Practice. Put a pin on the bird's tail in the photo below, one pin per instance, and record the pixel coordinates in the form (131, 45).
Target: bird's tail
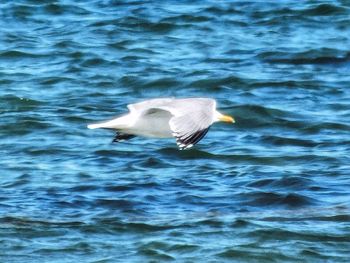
(104, 125)
(117, 123)
(95, 126)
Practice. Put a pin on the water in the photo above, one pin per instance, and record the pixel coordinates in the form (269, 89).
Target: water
(274, 187)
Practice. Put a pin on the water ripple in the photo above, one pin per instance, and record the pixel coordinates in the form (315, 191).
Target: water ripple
(272, 187)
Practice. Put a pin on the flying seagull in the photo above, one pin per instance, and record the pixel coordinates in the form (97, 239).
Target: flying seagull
(187, 119)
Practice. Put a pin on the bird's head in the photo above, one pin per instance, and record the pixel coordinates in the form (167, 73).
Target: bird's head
(225, 118)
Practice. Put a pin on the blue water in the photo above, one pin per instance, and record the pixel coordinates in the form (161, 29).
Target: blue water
(273, 187)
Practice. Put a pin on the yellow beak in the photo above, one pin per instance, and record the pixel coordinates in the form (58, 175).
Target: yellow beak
(227, 118)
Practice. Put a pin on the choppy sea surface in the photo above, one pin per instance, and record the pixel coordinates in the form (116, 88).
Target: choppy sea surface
(274, 187)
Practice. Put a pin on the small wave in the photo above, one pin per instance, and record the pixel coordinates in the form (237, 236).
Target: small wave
(17, 54)
(322, 56)
(209, 83)
(253, 116)
(155, 254)
(288, 182)
(277, 199)
(115, 203)
(26, 126)
(318, 127)
(221, 10)
(281, 14)
(250, 255)
(184, 18)
(281, 141)
(135, 23)
(19, 221)
(12, 103)
(326, 9)
(161, 83)
(83, 188)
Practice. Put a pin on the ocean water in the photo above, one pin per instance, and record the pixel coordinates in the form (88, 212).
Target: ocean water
(273, 187)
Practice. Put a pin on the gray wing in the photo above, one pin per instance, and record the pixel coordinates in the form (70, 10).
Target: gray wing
(189, 129)
(191, 120)
(146, 105)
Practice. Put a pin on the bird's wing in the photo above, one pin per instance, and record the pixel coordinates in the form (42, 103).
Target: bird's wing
(143, 106)
(191, 119)
(189, 129)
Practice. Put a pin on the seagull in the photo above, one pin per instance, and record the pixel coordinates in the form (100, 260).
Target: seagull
(186, 119)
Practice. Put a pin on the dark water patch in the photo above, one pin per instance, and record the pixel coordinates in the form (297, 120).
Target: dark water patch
(240, 223)
(322, 56)
(280, 15)
(117, 225)
(123, 44)
(161, 83)
(30, 11)
(187, 19)
(133, 186)
(25, 126)
(112, 152)
(115, 203)
(46, 151)
(221, 10)
(84, 188)
(81, 247)
(296, 216)
(309, 236)
(135, 23)
(36, 223)
(170, 248)
(53, 80)
(94, 62)
(277, 199)
(216, 82)
(245, 254)
(152, 162)
(326, 9)
(66, 45)
(254, 116)
(190, 199)
(335, 218)
(17, 184)
(131, 81)
(143, 51)
(283, 141)
(16, 54)
(261, 183)
(75, 119)
(133, 58)
(183, 248)
(292, 84)
(59, 9)
(76, 55)
(313, 253)
(211, 222)
(291, 182)
(326, 126)
(12, 103)
(155, 254)
(76, 202)
(120, 188)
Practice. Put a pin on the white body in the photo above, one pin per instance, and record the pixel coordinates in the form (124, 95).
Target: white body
(187, 120)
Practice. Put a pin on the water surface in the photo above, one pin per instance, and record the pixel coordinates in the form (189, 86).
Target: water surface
(274, 187)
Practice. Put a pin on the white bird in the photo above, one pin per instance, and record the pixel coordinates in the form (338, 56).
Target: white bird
(188, 120)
